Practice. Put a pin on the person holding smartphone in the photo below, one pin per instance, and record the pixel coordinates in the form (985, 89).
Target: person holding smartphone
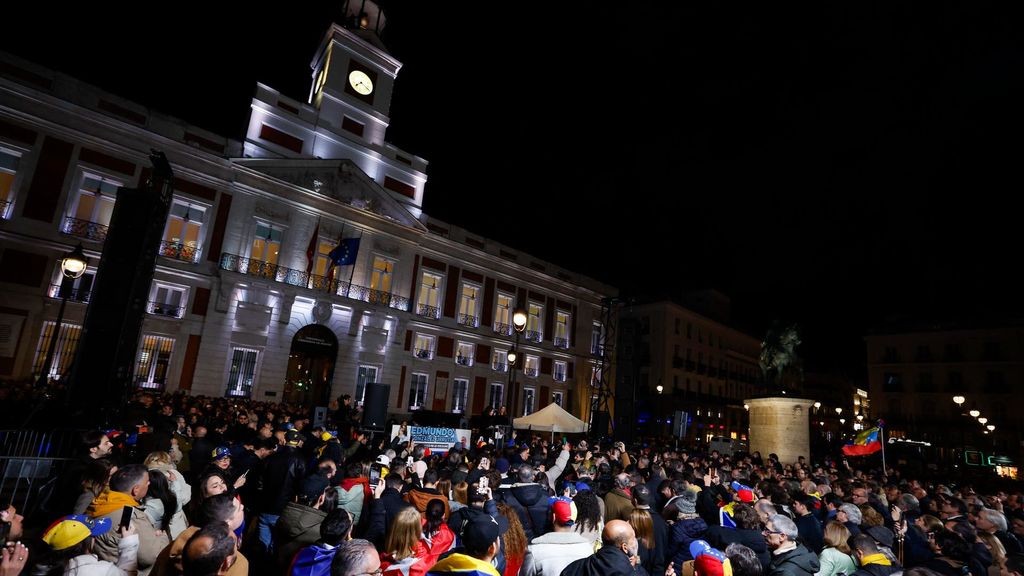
(71, 541)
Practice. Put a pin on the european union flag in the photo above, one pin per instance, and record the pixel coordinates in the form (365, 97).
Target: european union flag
(345, 252)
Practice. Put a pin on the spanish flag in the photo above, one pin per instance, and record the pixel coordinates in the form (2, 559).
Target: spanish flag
(865, 443)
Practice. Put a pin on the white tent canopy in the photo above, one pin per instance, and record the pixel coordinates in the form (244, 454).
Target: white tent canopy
(551, 419)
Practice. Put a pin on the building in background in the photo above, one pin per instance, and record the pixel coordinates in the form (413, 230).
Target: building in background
(705, 368)
(915, 373)
(296, 265)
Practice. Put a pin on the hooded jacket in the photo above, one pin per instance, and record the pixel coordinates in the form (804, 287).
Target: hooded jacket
(605, 562)
(420, 497)
(684, 532)
(298, 527)
(90, 565)
(353, 495)
(796, 562)
(530, 501)
(876, 565)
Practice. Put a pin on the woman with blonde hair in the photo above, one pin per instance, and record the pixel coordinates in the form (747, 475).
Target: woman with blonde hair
(414, 542)
(998, 552)
(161, 462)
(651, 558)
(835, 557)
(94, 481)
(460, 496)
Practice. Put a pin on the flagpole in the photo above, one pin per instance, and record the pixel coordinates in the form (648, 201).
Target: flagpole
(352, 272)
(881, 436)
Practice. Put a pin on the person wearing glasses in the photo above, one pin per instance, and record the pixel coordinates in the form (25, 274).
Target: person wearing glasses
(789, 557)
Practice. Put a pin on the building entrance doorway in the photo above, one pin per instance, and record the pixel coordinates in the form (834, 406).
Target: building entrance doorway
(311, 366)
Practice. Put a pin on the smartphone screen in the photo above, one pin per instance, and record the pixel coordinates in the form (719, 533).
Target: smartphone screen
(126, 516)
(483, 481)
(374, 474)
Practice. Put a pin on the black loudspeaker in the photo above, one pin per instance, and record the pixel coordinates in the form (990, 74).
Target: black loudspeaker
(375, 405)
(599, 426)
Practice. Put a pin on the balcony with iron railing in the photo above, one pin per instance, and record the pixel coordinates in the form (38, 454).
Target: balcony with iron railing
(561, 342)
(463, 360)
(467, 320)
(428, 311)
(559, 376)
(505, 329)
(73, 294)
(499, 367)
(303, 279)
(84, 229)
(531, 372)
(533, 335)
(596, 350)
(179, 251)
(423, 353)
(164, 309)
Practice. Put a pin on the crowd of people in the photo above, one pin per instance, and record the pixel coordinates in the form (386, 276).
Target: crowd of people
(210, 486)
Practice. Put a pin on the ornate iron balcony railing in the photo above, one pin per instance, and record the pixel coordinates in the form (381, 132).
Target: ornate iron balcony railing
(179, 251)
(533, 335)
(294, 277)
(463, 361)
(428, 311)
(505, 329)
(561, 342)
(499, 367)
(83, 229)
(531, 372)
(559, 376)
(467, 320)
(163, 309)
(422, 353)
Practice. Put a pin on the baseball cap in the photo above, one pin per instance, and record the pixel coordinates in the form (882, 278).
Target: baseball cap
(745, 493)
(501, 465)
(220, 452)
(708, 561)
(480, 532)
(383, 460)
(71, 530)
(326, 436)
(292, 437)
(564, 510)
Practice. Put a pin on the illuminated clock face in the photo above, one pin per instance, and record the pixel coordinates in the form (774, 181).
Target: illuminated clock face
(360, 82)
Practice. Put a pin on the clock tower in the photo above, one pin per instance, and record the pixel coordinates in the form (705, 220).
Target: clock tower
(345, 116)
(353, 75)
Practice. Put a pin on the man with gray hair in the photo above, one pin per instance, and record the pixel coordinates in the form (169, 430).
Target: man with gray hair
(850, 516)
(993, 522)
(617, 503)
(354, 558)
(789, 557)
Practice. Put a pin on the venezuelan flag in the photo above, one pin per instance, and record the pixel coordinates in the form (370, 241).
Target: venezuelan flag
(865, 443)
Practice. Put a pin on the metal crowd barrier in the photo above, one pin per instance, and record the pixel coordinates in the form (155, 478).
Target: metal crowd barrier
(30, 462)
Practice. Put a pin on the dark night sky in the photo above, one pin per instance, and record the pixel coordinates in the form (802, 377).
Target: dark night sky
(835, 166)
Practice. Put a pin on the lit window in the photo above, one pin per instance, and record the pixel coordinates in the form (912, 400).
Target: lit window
(503, 315)
(533, 322)
(532, 366)
(167, 300)
(153, 362)
(417, 391)
(63, 354)
(365, 375)
(424, 347)
(460, 391)
(9, 161)
(496, 397)
(499, 360)
(529, 400)
(242, 372)
(561, 371)
(429, 303)
(561, 330)
(91, 207)
(183, 236)
(468, 307)
(464, 354)
(557, 398)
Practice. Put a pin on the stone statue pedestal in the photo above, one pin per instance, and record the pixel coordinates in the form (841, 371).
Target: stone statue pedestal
(780, 425)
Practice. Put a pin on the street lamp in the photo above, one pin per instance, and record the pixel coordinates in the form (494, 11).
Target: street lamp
(842, 421)
(660, 388)
(959, 401)
(991, 427)
(975, 413)
(817, 405)
(72, 266)
(982, 420)
(519, 319)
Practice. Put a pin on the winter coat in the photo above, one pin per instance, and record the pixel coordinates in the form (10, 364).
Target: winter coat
(285, 470)
(605, 562)
(796, 562)
(182, 492)
(298, 527)
(420, 497)
(106, 545)
(720, 537)
(530, 501)
(382, 513)
(552, 552)
(876, 565)
(833, 562)
(618, 506)
(90, 565)
(810, 532)
(683, 533)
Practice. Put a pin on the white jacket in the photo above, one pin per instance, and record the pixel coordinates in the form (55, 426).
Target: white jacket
(90, 565)
(553, 551)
